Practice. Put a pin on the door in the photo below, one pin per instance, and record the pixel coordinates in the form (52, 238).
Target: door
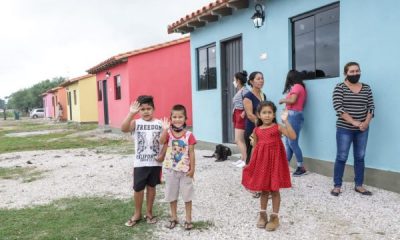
(231, 62)
(70, 105)
(105, 102)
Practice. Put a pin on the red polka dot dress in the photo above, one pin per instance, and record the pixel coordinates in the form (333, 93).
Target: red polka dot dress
(268, 169)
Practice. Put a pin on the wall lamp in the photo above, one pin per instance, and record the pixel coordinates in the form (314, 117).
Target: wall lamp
(259, 16)
(108, 74)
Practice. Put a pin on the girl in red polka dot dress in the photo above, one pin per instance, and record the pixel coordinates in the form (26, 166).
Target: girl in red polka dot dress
(268, 169)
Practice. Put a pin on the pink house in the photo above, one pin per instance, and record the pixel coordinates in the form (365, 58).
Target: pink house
(162, 70)
(48, 104)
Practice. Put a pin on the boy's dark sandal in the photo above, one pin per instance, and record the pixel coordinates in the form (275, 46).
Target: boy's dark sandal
(335, 193)
(150, 220)
(188, 225)
(300, 171)
(132, 222)
(171, 224)
(365, 192)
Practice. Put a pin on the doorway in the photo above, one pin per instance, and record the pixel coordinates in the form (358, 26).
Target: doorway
(231, 63)
(105, 102)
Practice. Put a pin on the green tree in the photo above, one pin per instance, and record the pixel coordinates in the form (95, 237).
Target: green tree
(2, 103)
(29, 98)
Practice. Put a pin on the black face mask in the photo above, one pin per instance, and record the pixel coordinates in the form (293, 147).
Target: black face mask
(353, 78)
(178, 129)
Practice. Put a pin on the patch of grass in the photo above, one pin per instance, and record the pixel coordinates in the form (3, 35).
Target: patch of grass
(27, 174)
(76, 218)
(51, 141)
(55, 140)
(203, 225)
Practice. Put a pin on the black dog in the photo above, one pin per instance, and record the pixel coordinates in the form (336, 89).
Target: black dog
(221, 153)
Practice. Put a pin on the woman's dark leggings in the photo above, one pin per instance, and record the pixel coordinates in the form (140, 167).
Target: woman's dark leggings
(248, 146)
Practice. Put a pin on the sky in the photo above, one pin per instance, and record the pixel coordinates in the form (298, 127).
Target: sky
(42, 39)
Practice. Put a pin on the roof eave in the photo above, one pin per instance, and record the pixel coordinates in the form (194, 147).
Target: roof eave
(211, 13)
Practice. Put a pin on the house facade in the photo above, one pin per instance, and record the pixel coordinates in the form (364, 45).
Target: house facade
(316, 37)
(81, 97)
(162, 70)
(48, 104)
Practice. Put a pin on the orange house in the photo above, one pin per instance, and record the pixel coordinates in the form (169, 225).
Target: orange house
(59, 96)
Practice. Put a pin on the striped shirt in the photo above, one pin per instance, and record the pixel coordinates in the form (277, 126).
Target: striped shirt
(237, 100)
(357, 105)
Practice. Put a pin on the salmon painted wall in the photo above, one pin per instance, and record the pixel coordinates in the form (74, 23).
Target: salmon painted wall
(61, 96)
(48, 105)
(117, 109)
(165, 74)
(88, 100)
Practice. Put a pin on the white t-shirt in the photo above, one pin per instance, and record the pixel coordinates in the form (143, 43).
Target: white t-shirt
(147, 142)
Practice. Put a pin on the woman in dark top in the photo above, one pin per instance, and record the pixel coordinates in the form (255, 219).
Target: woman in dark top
(251, 101)
(354, 105)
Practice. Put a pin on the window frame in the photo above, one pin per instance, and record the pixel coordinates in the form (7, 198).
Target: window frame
(75, 100)
(117, 90)
(206, 47)
(305, 15)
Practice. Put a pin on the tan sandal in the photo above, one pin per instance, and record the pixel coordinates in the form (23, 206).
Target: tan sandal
(132, 222)
(188, 226)
(171, 224)
(150, 220)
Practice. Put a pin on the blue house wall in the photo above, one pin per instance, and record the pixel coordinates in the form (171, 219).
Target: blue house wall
(369, 34)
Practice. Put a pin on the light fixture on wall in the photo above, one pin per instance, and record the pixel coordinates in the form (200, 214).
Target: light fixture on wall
(108, 74)
(259, 16)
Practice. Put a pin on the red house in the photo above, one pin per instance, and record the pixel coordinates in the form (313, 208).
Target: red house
(162, 70)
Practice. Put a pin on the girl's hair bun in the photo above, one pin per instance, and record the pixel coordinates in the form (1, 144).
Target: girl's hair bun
(244, 73)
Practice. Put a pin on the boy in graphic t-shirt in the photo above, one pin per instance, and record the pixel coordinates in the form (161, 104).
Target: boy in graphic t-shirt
(147, 168)
(179, 164)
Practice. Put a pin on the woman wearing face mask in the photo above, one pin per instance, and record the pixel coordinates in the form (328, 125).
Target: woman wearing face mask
(354, 105)
(239, 82)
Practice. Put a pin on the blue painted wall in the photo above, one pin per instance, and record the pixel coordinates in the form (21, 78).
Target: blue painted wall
(369, 34)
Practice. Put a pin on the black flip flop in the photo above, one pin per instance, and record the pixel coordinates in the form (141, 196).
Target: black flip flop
(171, 224)
(188, 226)
(334, 193)
(132, 222)
(365, 193)
(151, 220)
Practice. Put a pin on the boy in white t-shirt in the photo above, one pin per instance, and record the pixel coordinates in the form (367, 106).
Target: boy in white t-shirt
(147, 168)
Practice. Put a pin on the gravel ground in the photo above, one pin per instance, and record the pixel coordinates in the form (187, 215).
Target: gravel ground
(75, 172)
(308, 211)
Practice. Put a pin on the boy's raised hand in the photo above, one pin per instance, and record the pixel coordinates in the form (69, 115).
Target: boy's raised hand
(284, 115)
(135, 107)
(165, 123)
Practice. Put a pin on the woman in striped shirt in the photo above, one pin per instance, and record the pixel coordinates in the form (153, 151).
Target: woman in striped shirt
(239, 115)
(354, 105)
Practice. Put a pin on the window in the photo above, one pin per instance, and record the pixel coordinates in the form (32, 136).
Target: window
(99, 91)
(74, 97)
(206, 67)
(117, 87)
(315, 42)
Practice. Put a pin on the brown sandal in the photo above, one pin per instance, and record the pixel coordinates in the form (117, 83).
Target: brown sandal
(150, 220)
(132, 222)
(171, 224)
(188, 225)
